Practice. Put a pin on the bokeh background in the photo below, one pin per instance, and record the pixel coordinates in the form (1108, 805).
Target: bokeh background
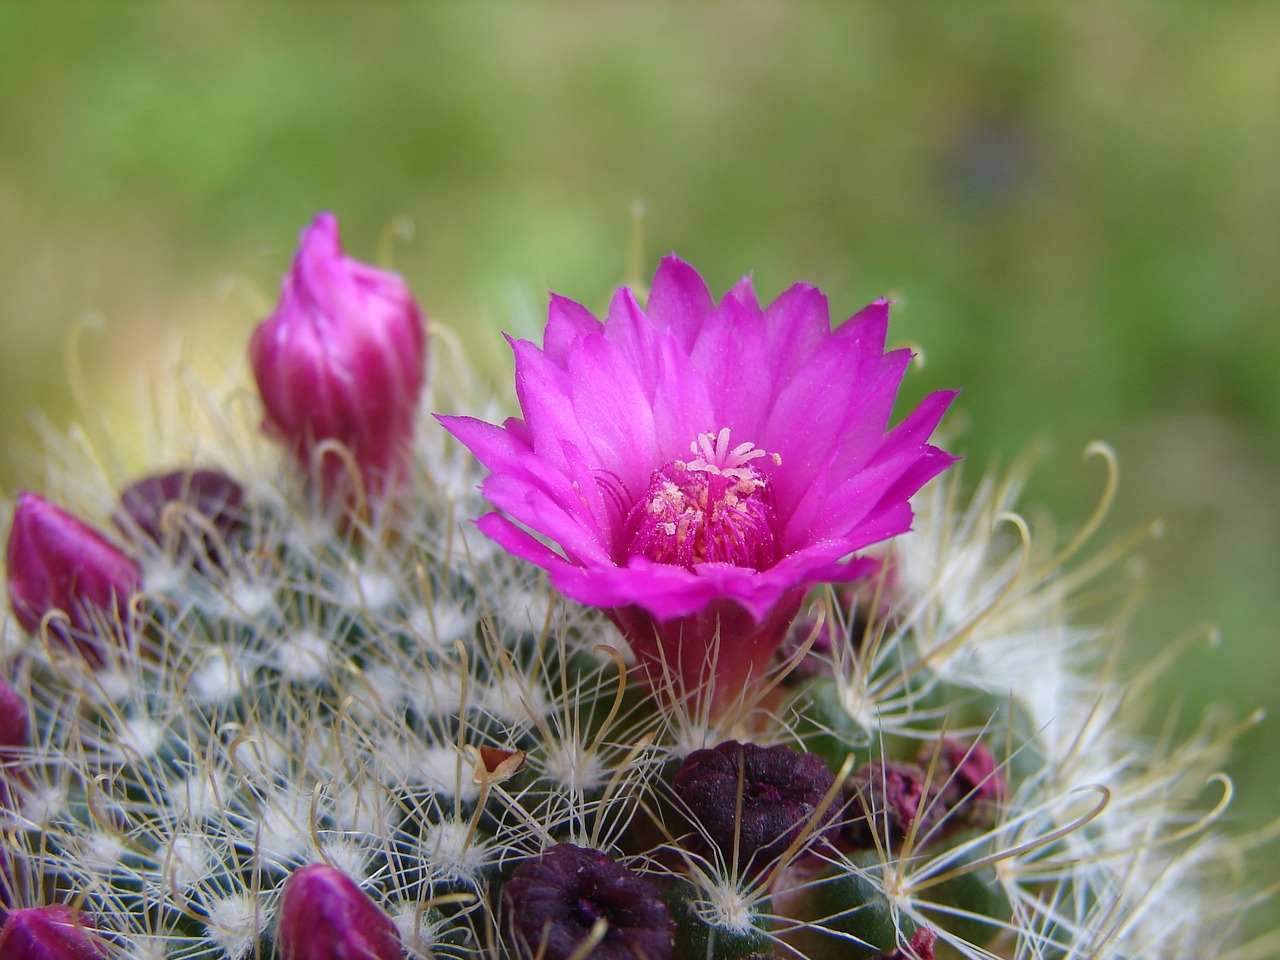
(1076, 204)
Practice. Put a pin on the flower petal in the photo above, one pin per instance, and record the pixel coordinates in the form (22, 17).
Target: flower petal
(679, 301)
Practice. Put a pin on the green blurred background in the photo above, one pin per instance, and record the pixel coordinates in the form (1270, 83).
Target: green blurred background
(1077, 205)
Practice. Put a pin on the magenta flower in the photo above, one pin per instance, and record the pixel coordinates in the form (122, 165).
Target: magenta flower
(342, 360)
(58, 562)
(325, 916)
(700, 466)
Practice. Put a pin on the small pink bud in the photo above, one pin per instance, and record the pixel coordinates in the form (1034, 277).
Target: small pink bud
(55, 932)
(342, 359)
(973, 785)
(13, 722)
(325, 916)
(919, 948)
(890, 799)
(58, 562)
(14, 737)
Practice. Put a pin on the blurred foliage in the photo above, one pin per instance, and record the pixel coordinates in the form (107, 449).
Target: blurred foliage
(1076, 204)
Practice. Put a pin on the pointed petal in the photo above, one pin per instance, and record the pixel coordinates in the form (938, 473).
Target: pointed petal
(567, 322)
(798, 322)
(679, 300)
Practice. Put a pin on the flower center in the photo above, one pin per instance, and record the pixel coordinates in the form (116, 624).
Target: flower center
(714, 508)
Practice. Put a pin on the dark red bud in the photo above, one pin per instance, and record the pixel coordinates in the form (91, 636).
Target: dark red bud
(920, 947)
(14, 738)
(973, 785)
(154, 507)
(553, 902)
(781, 789)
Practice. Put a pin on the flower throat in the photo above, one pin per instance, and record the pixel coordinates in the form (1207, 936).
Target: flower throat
(714, 508)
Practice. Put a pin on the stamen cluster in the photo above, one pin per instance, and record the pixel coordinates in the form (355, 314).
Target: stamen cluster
(713, 510)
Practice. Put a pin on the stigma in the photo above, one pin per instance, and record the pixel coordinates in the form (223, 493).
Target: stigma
(716, 507)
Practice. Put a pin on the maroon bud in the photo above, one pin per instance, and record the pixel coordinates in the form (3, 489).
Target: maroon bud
(818, 641)
(325, 916)
(887, 799)
(780, 789)
(342, 359)
(55, 932)
(148, 508)
(919, 948)
(973, 786)
(553, 902)
(58, 562)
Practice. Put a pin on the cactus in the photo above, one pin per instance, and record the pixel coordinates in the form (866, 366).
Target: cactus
(330, 718)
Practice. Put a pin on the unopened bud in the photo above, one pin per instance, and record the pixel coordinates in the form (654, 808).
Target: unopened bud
(341, 360)
(919, 948)
(888, 801)
(56, 562)
(55, 932)
(14, 738)
(13, 722)
(972, 784)
(776, 790)
(558, 901)
(325, 916)
(182, 510)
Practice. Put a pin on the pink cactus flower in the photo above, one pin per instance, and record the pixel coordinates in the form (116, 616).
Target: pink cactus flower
(700, 466)
(58, 562)
(325, 916)
(342, 360)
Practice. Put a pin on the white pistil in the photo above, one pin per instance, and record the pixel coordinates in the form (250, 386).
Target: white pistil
(716, 457)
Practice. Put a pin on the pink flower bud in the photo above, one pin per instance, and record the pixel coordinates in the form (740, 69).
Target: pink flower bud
(14, 737)
(341, 359)
(13, 721)
(58, 562)
(55, 932)
(325, 916)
